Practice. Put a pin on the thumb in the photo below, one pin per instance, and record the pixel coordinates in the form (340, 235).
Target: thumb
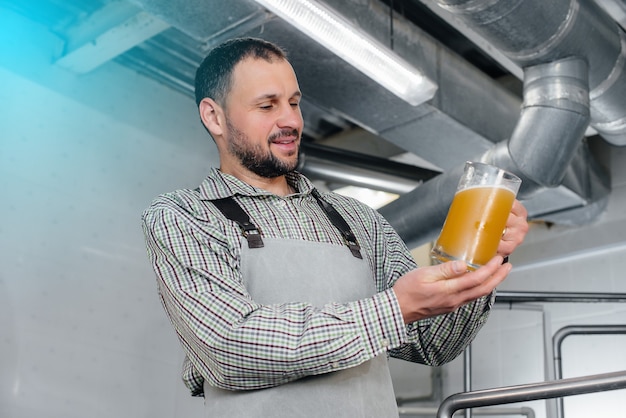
(450, 269)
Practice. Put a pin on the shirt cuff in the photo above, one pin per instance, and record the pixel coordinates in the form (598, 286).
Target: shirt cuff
(415, 328)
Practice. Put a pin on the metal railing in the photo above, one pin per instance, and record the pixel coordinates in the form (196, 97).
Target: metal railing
(533, 391)
(503, 296)
(557, 342)
(432, 411)
(551, 389)
(500, 394)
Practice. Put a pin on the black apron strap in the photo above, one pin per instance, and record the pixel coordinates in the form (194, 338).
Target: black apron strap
(231, 209)
(340, 223)
(234, 212)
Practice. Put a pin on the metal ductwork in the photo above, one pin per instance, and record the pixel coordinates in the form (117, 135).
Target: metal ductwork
(357, 169)
(554, 119)
(543, 146)
(469, 111)
(562, 182)
(550, 40)
(340, 173)
(531, 32)
(472, 116)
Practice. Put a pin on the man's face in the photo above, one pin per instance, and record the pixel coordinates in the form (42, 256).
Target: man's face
(263, 117)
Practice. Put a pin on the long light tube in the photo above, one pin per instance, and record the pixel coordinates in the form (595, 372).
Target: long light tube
(356, 47)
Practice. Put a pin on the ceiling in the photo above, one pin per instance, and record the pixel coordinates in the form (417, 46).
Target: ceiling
(356, 132)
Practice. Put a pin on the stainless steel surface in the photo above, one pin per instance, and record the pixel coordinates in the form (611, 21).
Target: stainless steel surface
(504, 296)
(553, 121)
(340, 173)
(339, 166)
(561, 334)
(430, 412)
(544, 145)
(533, 391)
(535, 31)
(467, 375)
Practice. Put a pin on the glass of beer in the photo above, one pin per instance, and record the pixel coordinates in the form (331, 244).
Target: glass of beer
(477, 216)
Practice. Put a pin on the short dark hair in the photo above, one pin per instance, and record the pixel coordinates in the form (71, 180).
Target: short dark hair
(214, 75)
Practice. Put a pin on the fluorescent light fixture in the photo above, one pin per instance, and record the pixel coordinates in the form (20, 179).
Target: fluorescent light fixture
(375, 199)
(356, 47)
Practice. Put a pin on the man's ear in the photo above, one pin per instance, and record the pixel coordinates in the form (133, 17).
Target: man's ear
(212, 116)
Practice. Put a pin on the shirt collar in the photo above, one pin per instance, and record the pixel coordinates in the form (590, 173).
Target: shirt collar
(218, 185)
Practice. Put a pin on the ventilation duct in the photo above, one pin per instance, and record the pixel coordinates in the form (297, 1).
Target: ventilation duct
(362, 170)
(544, 144)
(553, 121)
(532, 32)
(540, 37)
(470, 111)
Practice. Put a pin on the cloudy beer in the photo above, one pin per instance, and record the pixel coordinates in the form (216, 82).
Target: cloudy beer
(477, 216)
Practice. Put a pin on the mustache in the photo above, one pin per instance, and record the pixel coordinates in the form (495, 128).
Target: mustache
(285, 133)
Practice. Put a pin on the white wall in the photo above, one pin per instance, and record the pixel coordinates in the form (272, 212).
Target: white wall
(83, 334)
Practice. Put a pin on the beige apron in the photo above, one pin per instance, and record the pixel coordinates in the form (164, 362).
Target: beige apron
(302, 271)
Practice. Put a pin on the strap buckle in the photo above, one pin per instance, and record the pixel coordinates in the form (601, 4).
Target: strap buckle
(252, 234)
(234, 212)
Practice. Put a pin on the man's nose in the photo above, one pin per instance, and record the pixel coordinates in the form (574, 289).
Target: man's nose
(291, 117)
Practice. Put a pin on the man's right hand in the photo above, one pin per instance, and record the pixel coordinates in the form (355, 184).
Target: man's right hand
(443, 288)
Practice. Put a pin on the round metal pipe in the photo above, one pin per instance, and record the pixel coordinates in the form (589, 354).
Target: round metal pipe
(561, 334)
(467, 374)
(366, 161)
(503, 296)
(552, 124)
(554, 118)
(545, 140)
(431, 411)
(534, 32)
(533, 391)
(339, 173)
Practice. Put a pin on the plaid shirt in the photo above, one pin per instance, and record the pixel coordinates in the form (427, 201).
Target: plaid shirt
(236, 343)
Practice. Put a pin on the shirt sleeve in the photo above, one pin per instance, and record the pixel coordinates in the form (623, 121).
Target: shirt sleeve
(431, 341)
(439, 340)
(236, 343)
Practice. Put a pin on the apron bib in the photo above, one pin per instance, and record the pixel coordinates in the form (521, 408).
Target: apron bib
(301, 271)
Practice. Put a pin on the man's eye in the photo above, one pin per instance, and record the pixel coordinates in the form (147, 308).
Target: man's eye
(266, 106)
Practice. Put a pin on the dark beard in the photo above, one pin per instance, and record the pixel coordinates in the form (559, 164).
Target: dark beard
(263, 164)
(269, 167)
